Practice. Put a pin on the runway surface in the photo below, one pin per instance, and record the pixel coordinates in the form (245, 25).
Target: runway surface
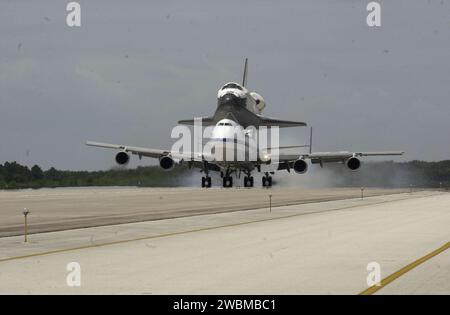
(317, 247)
(68, 208)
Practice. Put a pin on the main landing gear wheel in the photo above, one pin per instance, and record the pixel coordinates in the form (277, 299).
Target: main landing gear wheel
(248, 181)
(227, 181)
(267, 181)
(206, 182)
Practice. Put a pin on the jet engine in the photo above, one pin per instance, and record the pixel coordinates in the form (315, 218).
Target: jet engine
(260, 103)
(166, 163)
(300, 166)
(353, 163)
(122, 158)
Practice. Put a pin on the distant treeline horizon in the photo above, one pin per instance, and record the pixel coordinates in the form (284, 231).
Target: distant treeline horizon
(386, 174)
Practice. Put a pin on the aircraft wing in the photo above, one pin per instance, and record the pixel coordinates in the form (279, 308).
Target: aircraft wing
(148, 152)
(153, 153)
(286, 160)
(343, 155)
(268, 121)
(329, 157)
(335, 156)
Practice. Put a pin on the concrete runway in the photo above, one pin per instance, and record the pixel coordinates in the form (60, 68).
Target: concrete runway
(316, 247)
(69, 208)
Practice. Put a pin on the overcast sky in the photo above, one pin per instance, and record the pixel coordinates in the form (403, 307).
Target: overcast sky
(136, 67)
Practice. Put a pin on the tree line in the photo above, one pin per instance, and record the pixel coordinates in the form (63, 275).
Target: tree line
(372, 174)
(15, 176)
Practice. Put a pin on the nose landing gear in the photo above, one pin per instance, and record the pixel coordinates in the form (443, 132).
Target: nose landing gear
(248, 181)
(267, 180)
(227, 181)
(206, 182)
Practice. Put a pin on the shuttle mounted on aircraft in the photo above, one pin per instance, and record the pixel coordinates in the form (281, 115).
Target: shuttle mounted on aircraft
(236, 122)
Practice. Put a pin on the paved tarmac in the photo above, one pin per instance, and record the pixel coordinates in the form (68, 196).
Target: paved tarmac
(317, 247)
(69, 208)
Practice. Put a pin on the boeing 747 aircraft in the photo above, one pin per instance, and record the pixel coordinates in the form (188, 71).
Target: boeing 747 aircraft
(234, 125)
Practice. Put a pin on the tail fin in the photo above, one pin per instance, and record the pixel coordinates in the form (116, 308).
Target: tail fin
(244, 79)
(310, 141)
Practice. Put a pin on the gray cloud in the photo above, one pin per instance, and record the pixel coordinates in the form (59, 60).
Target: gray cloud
(134, 68)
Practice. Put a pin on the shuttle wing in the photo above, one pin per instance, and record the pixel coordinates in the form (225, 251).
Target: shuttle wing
(206, 121)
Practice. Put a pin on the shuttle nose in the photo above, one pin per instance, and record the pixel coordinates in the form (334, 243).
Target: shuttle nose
(228, 98)
(232, 100)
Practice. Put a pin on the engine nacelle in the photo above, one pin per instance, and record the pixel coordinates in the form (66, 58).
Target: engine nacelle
(122, 158)
(353, 163)
(259, 100)
(166, 163)
(300, 166)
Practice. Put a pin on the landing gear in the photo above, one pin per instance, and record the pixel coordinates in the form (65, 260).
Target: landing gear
(267, 181)
(227, 181)
(206, 182)
(248, 181)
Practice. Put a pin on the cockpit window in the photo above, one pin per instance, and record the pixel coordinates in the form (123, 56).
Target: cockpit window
(232, 86)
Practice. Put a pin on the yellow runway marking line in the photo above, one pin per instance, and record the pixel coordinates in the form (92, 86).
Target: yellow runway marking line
(62, 250)
(404, 270)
